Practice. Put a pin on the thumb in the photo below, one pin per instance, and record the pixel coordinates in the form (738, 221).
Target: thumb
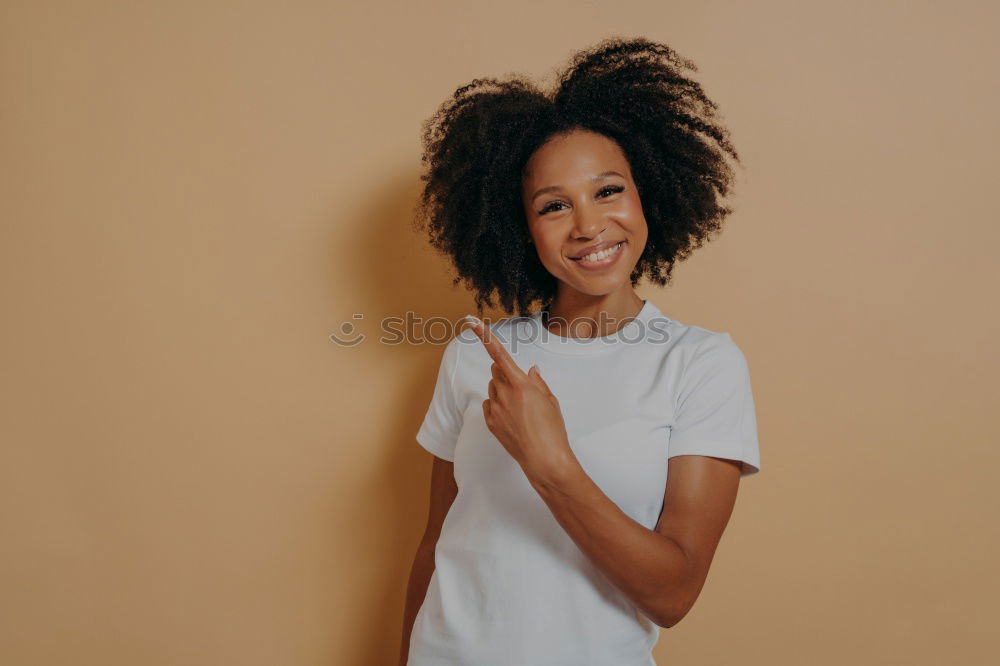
(536, 373)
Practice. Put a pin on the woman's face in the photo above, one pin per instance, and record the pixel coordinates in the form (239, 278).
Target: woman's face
(578, 192)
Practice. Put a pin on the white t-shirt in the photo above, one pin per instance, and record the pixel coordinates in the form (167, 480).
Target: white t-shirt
(510, 587)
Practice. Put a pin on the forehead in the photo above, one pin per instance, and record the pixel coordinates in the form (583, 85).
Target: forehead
(577, 155)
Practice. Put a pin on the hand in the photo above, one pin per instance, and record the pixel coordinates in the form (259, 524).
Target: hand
(522, 412)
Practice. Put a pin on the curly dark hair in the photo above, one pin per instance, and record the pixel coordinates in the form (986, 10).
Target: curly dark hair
(629, 90)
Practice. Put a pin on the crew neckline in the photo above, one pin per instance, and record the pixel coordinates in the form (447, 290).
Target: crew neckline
(630, 334)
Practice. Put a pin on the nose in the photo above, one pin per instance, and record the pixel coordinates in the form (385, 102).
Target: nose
(588, 223)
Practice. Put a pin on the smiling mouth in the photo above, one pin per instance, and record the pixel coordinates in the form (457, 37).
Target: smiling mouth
(599, 256)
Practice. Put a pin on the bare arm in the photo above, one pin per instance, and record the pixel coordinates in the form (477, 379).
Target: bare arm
(662, 570)
(443, 491)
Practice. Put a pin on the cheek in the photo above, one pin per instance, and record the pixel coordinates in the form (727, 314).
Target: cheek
(636, 219)
(550, 255)
(549, 251)
(547, 241)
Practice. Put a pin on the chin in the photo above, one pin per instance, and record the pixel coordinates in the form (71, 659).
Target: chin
(599, 285)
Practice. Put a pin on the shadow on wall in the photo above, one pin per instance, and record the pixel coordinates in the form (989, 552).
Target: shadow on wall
(395, 271)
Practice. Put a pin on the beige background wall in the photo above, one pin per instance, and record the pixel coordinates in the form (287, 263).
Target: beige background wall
(195, 195)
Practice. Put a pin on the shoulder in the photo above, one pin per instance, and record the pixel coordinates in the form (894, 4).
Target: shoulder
(702, 349)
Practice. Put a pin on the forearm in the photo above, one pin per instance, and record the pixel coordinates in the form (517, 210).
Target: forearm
(648, 567)
(416, 590)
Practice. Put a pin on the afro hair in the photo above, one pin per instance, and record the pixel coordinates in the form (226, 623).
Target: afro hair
(632, 91)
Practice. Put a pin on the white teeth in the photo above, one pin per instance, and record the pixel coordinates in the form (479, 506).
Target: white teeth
(603, 254)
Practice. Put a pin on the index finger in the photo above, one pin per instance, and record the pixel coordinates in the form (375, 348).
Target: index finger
(495, 349)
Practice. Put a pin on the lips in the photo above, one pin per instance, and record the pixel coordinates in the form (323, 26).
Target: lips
(590, 249)
(605, 261)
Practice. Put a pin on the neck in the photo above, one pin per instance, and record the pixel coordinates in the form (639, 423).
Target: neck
(577, 315)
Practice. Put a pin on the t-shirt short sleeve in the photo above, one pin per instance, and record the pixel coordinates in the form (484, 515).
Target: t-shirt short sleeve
(439, 431)
(715, 413)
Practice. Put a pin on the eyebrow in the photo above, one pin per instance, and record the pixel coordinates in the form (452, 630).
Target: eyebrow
(553, 188)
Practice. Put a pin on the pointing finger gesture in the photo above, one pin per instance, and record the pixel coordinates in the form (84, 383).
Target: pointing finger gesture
(521, 410)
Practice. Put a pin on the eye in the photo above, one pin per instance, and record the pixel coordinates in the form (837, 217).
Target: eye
(610, 189)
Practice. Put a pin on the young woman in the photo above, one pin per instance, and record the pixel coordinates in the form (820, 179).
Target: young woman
(588, 453)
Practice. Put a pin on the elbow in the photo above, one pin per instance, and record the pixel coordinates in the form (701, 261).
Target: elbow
(678, 600)
(672, 612)
(674, 602)
(667, 621)
(664, 621)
